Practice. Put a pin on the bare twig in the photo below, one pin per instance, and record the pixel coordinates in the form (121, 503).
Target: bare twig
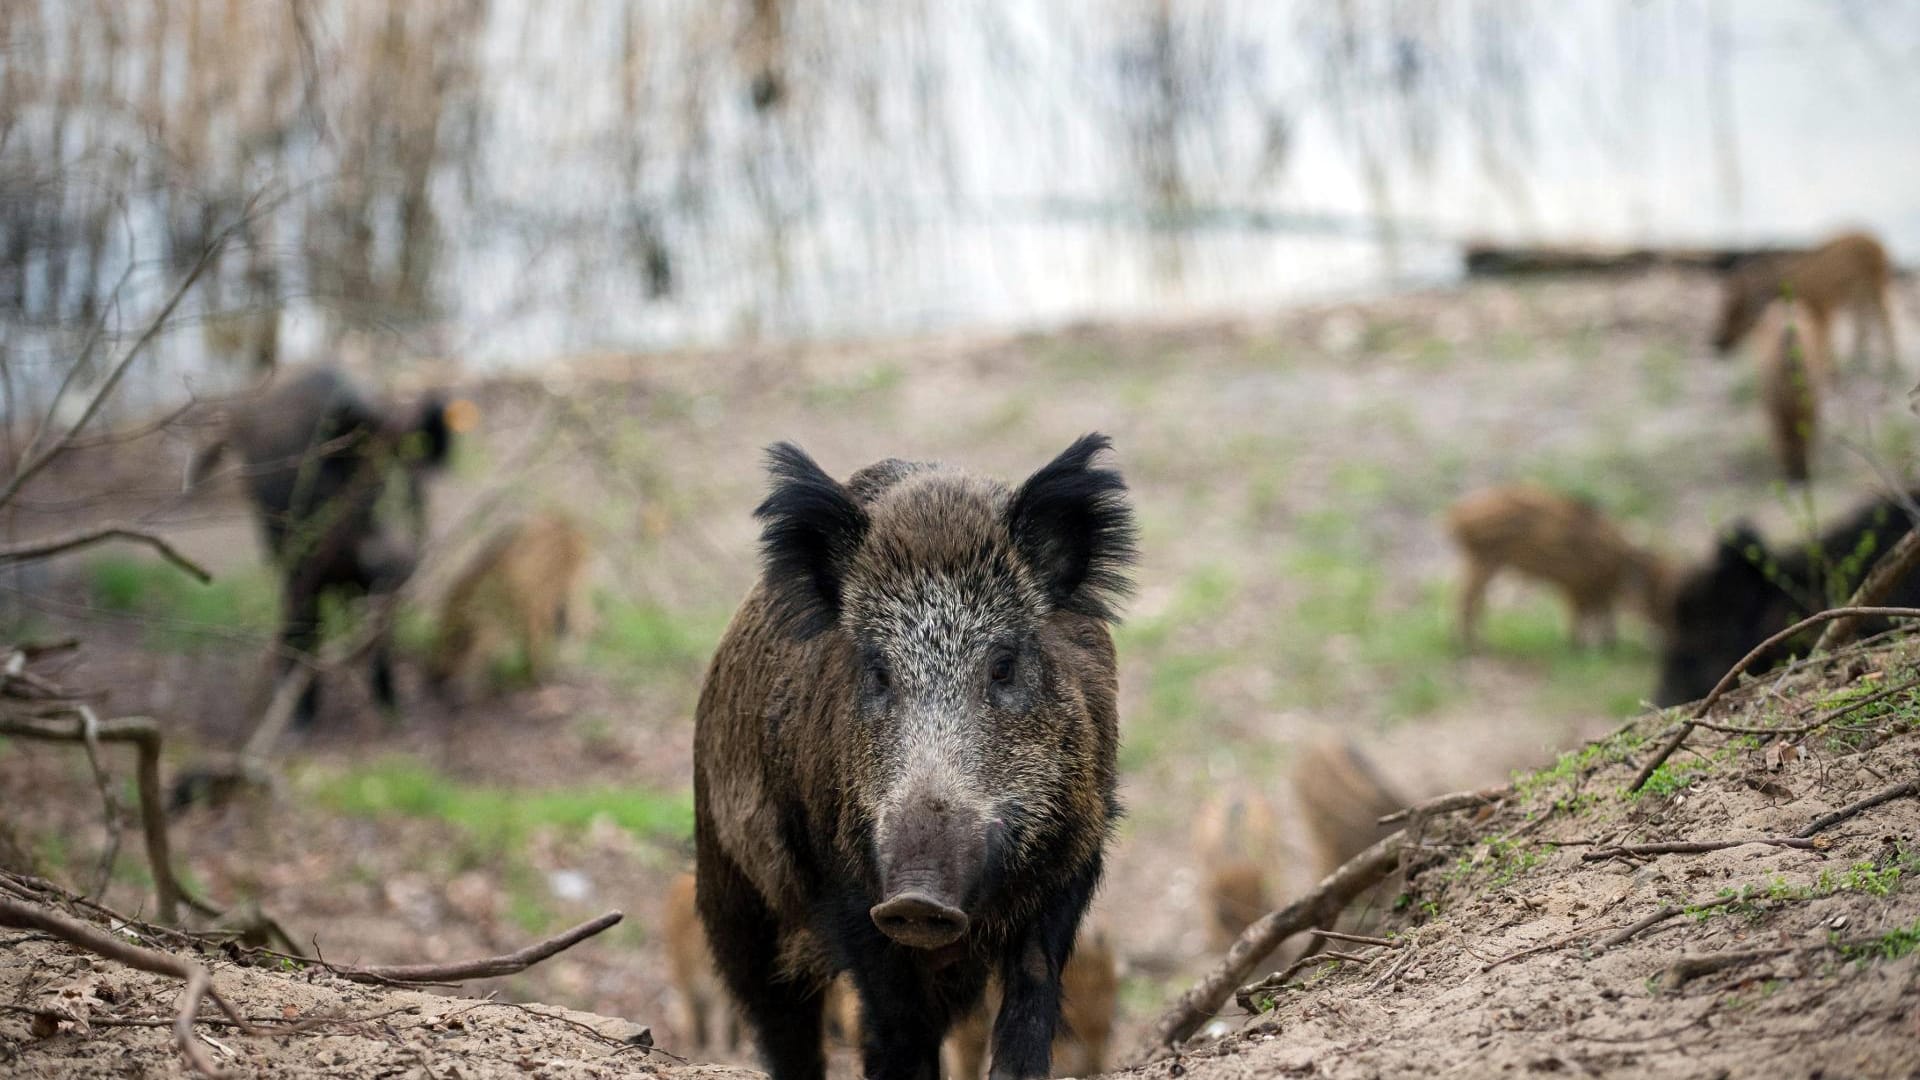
(29, 467)
(1693, 847)
(1359, 939)
(47, 547)
(488, 968)
(145, 737)
(1447, 804)
(1827, 821)
(1805, 729)
(1888, 572)
(199, 983)
(90, 738)
(1317, 908)
(1733, 675)
(1632, 930)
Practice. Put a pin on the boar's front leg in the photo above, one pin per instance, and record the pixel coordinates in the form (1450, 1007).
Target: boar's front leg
(1030, 986)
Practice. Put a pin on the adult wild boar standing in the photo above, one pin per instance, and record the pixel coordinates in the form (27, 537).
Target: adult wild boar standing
(322, 459)
(904, 754)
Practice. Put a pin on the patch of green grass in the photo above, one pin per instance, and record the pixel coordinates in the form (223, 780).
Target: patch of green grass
(1662, 374)
(185, 614)
(1670, 777)
(865, 388)
(1174, 708)
(1891, 945)
(499, 818)
(646, 639)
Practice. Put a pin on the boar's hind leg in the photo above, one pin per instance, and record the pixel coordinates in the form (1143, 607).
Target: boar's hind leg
(299, 639)
(1030, 981)
(784, 1014)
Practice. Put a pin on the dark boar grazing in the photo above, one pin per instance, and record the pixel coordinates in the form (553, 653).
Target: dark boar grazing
(1747, 592)
(319, 456)
(904, 754)
(706, 1016)
(521, 592)
(1850, 272)
(1559, 540)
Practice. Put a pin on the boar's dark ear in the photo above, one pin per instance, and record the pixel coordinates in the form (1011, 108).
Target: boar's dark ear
(811, 529)
(1074, 527)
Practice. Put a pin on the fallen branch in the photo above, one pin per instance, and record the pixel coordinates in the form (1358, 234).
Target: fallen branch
(1806, 729)
(1694, 847)
(1633, 930)
(1447, 804)
(491, 967)
(47, 547)
(1688, 968)
(1359, 939)
(1888, 573)
(199, 982)
(1828, 821)
(1733, 675)
(1316, 908)
(145, 737)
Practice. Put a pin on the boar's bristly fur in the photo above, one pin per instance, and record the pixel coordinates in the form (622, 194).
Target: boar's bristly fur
(904, 754)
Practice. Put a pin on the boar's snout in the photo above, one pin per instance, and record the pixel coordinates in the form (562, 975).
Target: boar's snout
(919, 921)
(930, 860)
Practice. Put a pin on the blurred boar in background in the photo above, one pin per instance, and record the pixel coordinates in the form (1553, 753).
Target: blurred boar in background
(1239, 846)
(1747, 591)
(322, 459)
(1850, 272)
(706, 1018)
(1342, 799)
(1791, 345)
(904, 754)
(1561, 541)
(522, 592)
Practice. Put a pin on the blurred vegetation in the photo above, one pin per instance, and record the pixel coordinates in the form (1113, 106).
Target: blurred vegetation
(182, 615)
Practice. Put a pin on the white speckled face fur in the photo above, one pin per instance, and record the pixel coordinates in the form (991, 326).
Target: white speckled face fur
(944, 615)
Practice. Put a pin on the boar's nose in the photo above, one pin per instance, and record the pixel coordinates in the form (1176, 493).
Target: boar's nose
(919, 921)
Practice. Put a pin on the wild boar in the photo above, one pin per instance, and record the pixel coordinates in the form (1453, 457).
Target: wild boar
(319, 457)
(1342, 799)
(706, 1017)
(1561, 541)
(1849, 273)
(521, 593)
(1791, 347)
(904, 754)
(1239, 847)
(1746, 592)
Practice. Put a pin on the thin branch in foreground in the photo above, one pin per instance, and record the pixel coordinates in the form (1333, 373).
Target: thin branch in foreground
(1634, 929)
(145, 737)
(1447, 804)
(1733, 676)
(1888, 572)
(488, 968)
(47, 547)
(1828, 821)
(1317, 908)
(199, 982)
(1799, 730)
(1695, 847)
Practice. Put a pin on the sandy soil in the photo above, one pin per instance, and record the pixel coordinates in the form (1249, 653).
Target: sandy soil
(1288, 472)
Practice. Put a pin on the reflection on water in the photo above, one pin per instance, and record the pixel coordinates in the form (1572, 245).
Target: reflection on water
(506, 180)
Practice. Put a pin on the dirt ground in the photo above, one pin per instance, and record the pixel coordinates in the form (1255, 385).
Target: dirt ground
(1288, 471)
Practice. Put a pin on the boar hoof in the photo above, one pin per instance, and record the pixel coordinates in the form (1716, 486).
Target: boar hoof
(918, 921)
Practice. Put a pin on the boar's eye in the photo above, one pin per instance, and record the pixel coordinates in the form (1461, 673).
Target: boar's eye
(1000, 667)
(878, 676)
